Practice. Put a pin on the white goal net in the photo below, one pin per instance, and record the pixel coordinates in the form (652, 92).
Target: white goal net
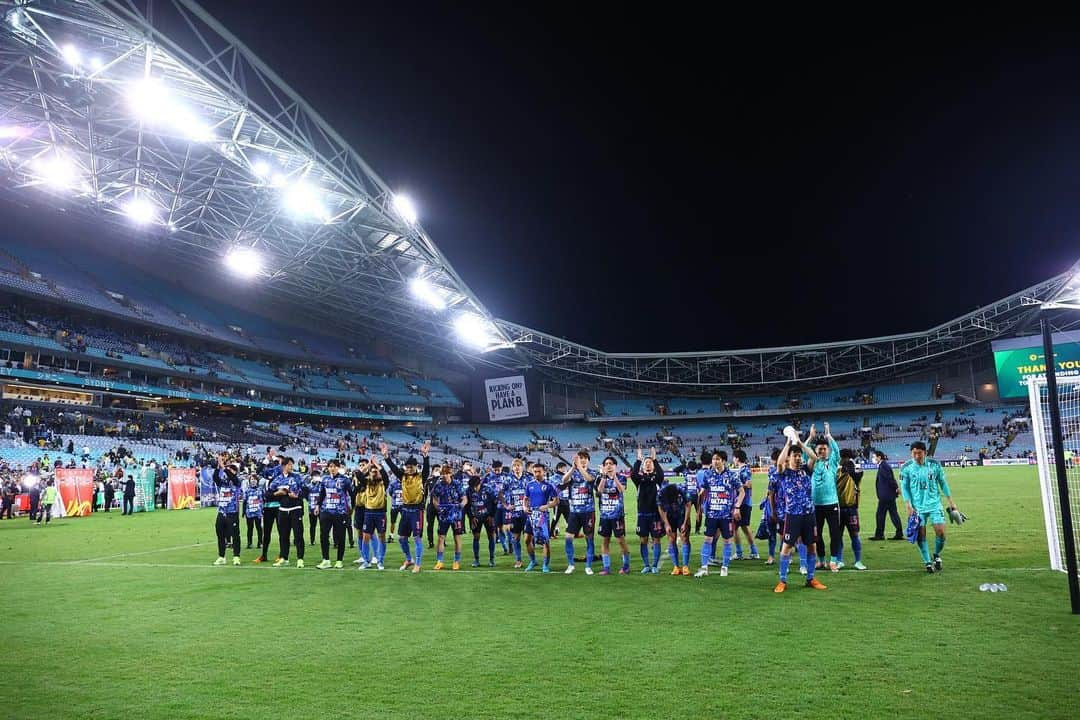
(1046, 453)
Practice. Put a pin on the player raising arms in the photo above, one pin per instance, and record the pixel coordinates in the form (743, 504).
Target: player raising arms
(227, 525)
(721, 495)
(825, 463)
(481, 508)
(540, 497)
(647, 475)
(674, 506)
(795, 500)
(373, 540)
(742, 470)
(333, 503)
(579, 483)
(253, 509)
(610, 490)
(514, 506)
(922, 483)
(412, 503)
(449, 501)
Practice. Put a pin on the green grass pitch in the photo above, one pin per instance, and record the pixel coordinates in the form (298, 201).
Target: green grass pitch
(109, 617)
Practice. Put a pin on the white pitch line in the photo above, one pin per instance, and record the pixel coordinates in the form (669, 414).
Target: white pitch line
(121, 555)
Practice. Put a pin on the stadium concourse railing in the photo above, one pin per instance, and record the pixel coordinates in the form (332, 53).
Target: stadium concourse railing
(947, 399)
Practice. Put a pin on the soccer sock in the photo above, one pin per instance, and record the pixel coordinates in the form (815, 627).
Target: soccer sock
(645, 555)
(655, 554)
(772, 546)
(626, 561)
(785, 563)
(811, 561)
(753, 550)
(606, 560)
(382, 551)
(840, 555)
(590, 551)
(404, 542)
(802, 555)
(706, 552)
(715, 540)
(856, 547)
(924, 550)
(726, 558)
(686, 554)
(476, 548)
(939, 542)
(457, 556)
(547, 560)
(438, 555)
(375, 549)
(738, 549)
(419, 543)
(517, 548)
(532, 556)
(491, 549)
(569, 545)
(673, 553)
(365, 551)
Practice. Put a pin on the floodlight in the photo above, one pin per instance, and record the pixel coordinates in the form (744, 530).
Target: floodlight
(152, 103)
(405, 208)
(261, 168)
(303, 200)
(475, 331)
(96, 63)
(278, 180)
(425, 291)
(58, 171)
(71, 54)
(140, 209)
(244, 261)
(8, 132)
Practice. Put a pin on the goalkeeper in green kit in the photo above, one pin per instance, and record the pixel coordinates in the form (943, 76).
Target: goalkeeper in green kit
(923, 484)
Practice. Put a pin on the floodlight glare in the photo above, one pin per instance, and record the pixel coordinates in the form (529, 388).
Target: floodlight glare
(8, 132)
(278, 180)
(96, 63)
(302, 200)
(424, 290)
(261, 168)
(475, 331)
(140, 209)
(58, 172)
(405, 208)
(71, 54)
(243, 261)
(148, 99)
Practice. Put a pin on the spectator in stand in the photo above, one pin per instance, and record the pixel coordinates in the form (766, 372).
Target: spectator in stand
(887, 492)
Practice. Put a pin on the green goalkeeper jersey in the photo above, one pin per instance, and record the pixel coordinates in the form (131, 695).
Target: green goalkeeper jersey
(924, 485)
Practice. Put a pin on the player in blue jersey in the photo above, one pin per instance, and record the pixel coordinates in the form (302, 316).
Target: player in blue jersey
(647, 475)
(721, 495)
(449, 503)
(796, 501)
(540, 497)
(690, 486)
(286, 488)
(253, 509)
(740, 468)
(923, 485)
(227, 525)
(513, 499)
(481, 509)
(610, 490)
(333, 504)
(578, 483)
(312, 485)
(562, 510)
(494, 482)
(393, 490)
(674, 507)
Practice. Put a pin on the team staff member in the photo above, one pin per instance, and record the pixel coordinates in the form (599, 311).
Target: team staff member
(429, 484)
(373, 541)
(48, 498)
(129, 496)
(271, 505)
(227, 525)
(286, 488)
(253, 509)
(333, 504)
(312, 486)
(412, 504)
(887, 492)
(647, 475)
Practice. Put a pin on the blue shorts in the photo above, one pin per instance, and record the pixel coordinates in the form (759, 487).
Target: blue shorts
(476, 524)
(800, 527)
(500, 514)
(374, 522)
(451, 524)
(411, 523)
(649, 524)
(676, 520)
(583, 522)
(613, 526)
(358, 518)
(724, 525)
(744, 515)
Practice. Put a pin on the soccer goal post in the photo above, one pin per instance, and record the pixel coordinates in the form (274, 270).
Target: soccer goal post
(1055, 421)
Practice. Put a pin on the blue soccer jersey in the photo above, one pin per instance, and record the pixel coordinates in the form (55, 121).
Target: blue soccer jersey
(774, 488)
(672, 499)
(449, 496)
(394, 491)
(690, 483)
(611, 499)
(746, 477)
(228, 493)
(796, 493)
(311, 492)
(514, 496)
(336, 490)
(540, 493)
(253, 502)
(481, 502)
(581, 493)
(721, 490)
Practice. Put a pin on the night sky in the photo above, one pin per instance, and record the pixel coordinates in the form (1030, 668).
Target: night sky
(651, 183)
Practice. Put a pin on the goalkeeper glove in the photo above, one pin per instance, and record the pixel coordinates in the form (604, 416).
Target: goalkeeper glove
(957, 517)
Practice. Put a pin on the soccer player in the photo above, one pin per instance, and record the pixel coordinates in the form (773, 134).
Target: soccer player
(922, 483)
(227, 524)
(449, 502)
(253, 509)
(286, 488)
(742, 470)
(373, 541)
(721, 495)
(271, 505)
(562, 510)
(848, 482)
(359, 489)
(311, 489)
(412, 504)
(429, 484)
(647, 475)
(795, 500)
(393, 490)
(674, 506)
(333, 505)
(481, 509)
(494, 480)
(514, 505)
(540, 497)
(610, 489)
(826, 504)
(579, 483)
(690, 486)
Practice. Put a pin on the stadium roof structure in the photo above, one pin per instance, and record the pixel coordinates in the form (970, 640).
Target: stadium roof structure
(152, 117)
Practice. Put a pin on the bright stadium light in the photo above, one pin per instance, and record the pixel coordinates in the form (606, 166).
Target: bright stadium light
(243, 261)
(152, 103)
(278, 180)
(8, 132)
(58, 171)
(475, 331)
(261, 168)
(302, 200)
(71, 54)
(405, 208)
(96, 63)
(426, 292)
(140, 209)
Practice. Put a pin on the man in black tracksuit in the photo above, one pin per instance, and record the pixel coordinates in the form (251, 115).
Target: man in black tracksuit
(430, 512)
(129, 495)
(110, 493)
(887, 492)
(286, 488)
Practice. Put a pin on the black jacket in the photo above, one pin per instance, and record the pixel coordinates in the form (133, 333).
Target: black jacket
(129, 488)
(887, 489)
